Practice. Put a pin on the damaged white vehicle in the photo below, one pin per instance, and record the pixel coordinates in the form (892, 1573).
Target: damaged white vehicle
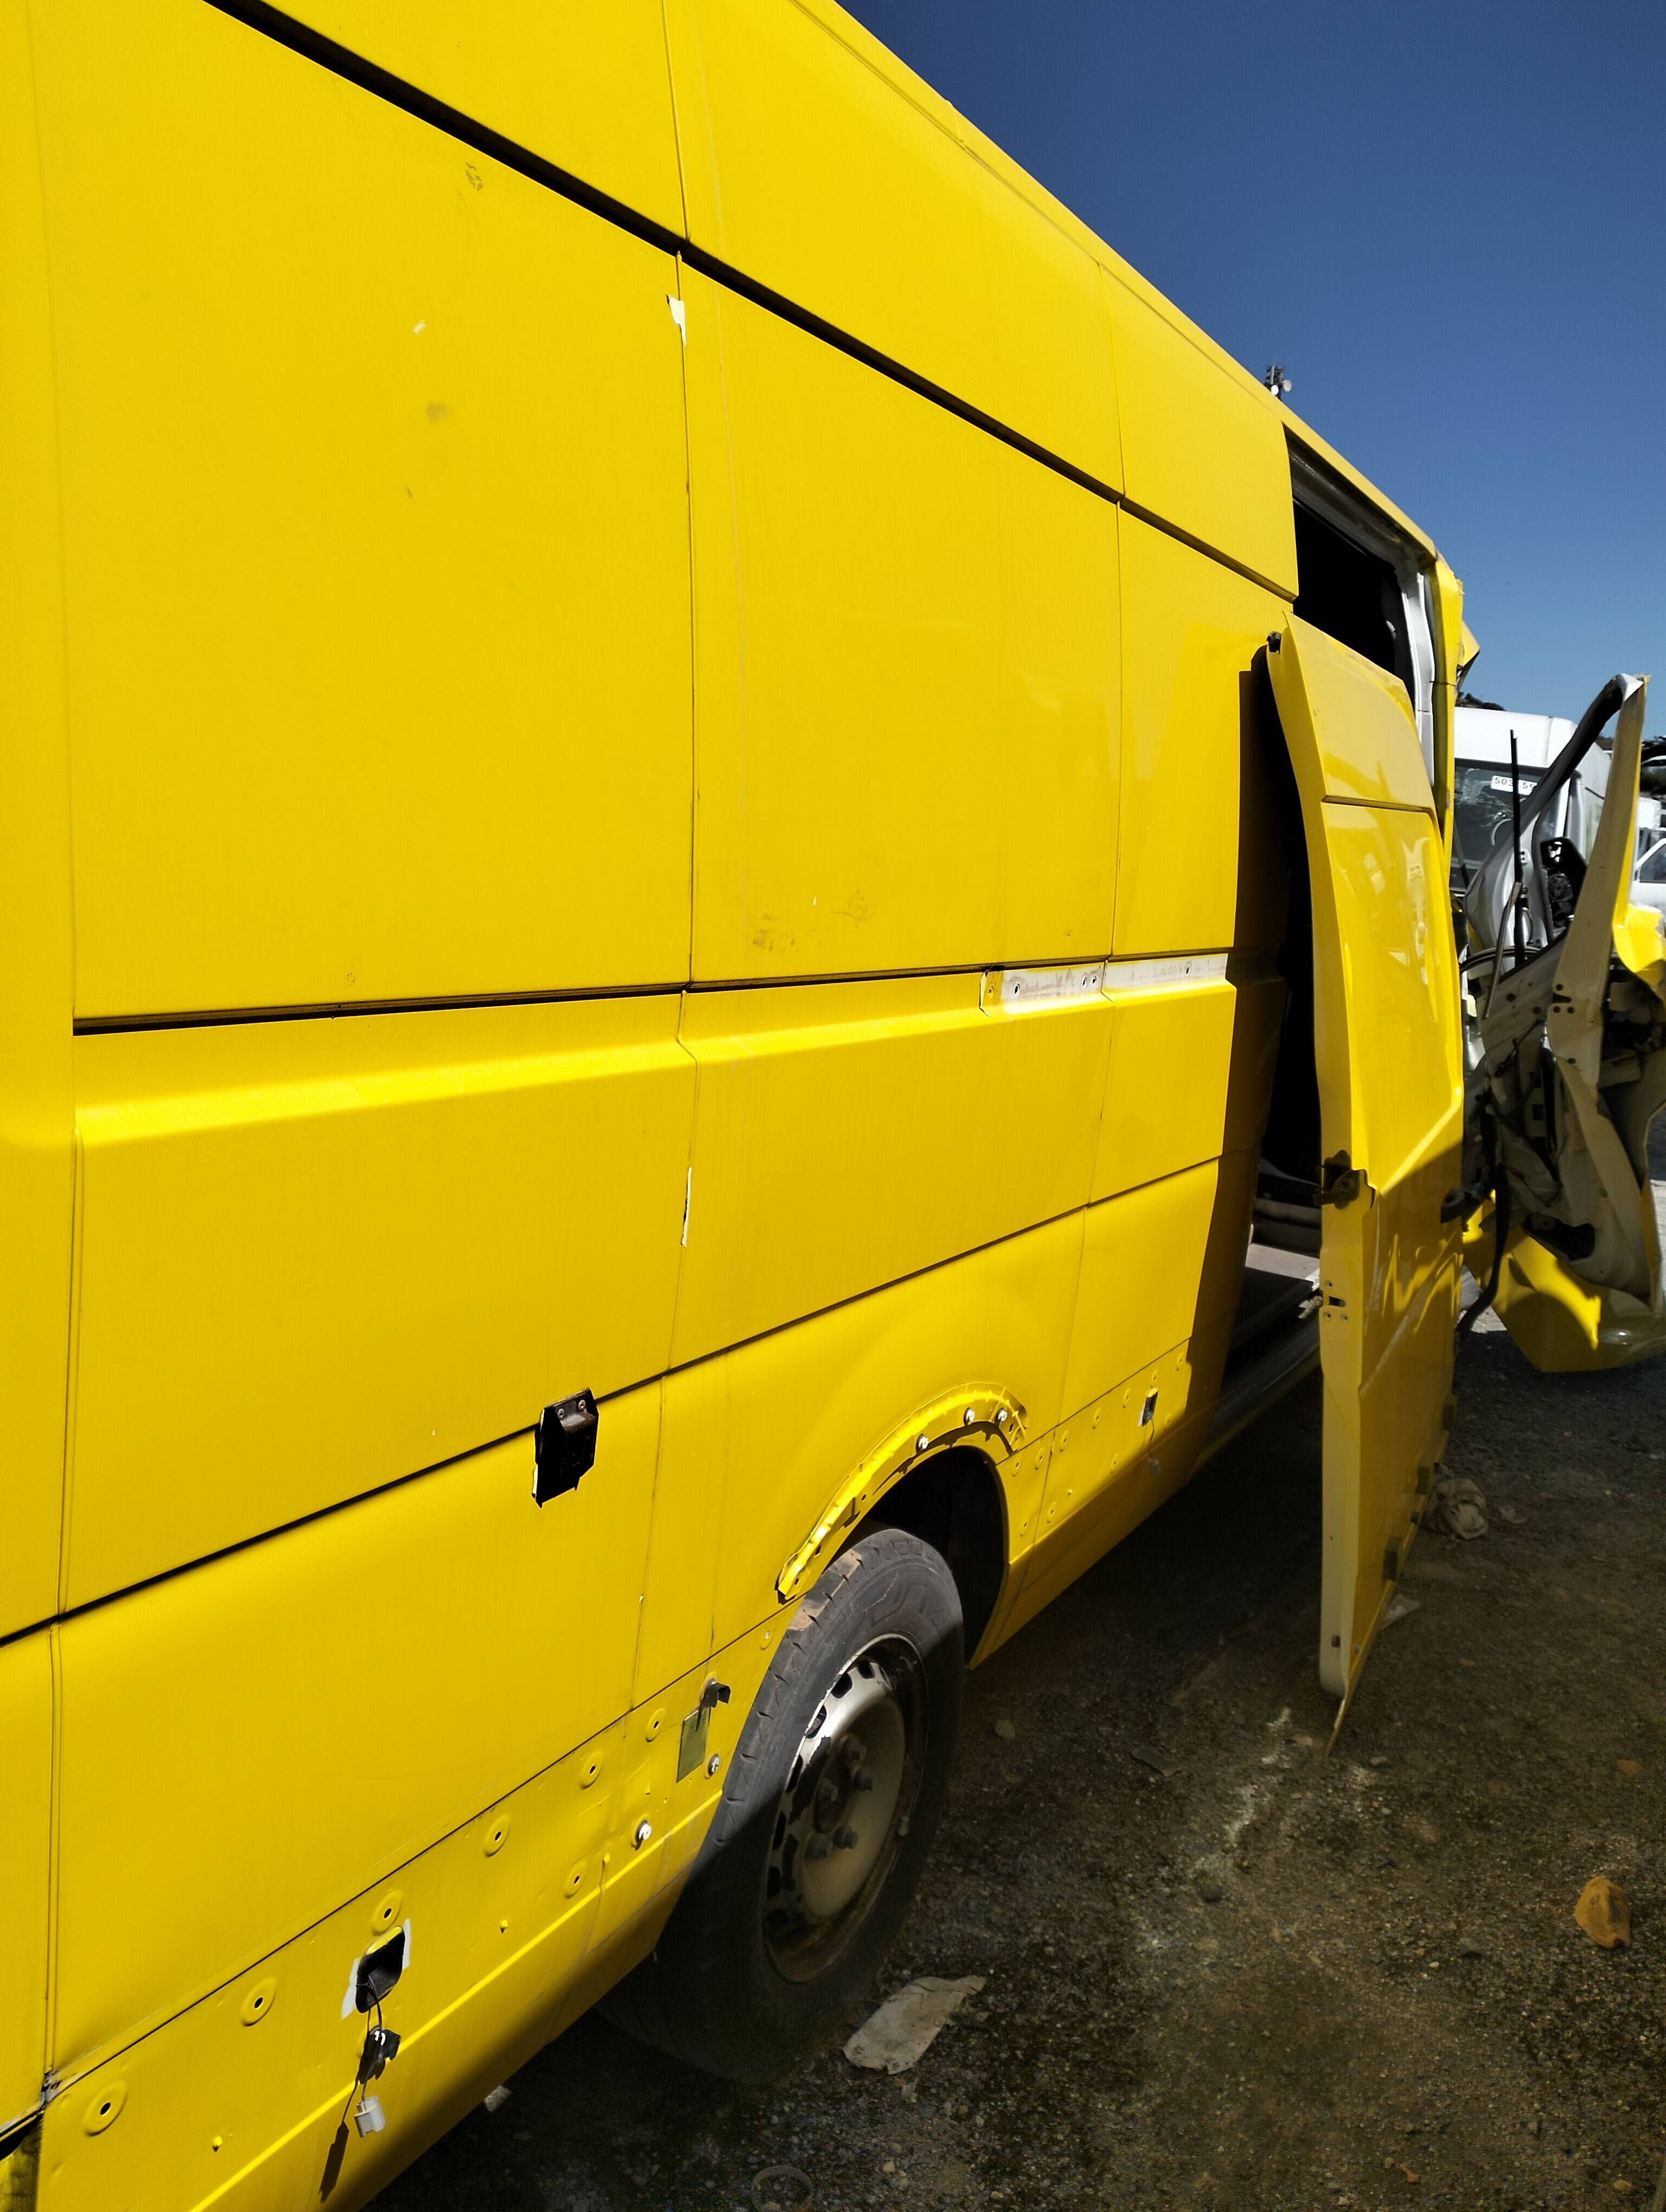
(1566, 1062)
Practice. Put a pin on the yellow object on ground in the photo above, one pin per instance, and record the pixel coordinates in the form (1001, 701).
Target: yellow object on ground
(1604, 1914)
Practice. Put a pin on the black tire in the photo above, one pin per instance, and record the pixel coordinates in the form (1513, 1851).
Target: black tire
(749, 1971)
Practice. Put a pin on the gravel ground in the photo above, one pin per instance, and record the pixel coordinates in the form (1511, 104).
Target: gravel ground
(1228, 1969)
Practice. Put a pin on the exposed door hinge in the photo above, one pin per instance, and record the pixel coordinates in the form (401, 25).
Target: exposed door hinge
(1339, 1183)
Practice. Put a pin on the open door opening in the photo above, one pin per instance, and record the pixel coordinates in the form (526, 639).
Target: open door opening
(1274, 1341)
(1288, 1215)
(1387, 1082)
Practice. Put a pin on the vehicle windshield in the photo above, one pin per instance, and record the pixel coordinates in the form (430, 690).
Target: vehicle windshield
(1482, 805)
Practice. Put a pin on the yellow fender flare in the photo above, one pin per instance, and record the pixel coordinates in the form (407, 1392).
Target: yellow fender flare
(985, 1415)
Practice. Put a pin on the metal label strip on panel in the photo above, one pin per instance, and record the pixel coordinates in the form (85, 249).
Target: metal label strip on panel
(1174, 972)
(1042, 987)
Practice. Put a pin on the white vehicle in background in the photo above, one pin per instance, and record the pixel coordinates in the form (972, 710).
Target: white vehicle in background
(1483, 801)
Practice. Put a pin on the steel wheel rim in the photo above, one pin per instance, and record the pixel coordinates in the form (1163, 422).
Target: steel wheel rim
(845, 1809)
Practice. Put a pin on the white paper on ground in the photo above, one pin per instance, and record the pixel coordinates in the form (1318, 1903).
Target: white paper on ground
(902, 2029)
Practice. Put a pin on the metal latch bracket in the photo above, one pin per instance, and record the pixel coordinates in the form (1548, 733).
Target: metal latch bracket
(564, 1445)
(691, 1739)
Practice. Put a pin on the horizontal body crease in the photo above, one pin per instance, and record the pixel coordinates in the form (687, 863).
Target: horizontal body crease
(644, 1383)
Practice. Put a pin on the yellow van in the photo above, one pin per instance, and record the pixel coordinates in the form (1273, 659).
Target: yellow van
(692, 809)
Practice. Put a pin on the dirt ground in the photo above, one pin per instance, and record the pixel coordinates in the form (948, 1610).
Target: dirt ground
(1227, 1970)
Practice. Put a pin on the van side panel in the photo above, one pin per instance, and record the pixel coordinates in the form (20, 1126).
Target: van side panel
(1170, 1071)
(37, 950)
(1197, 864)
(520, 1919)
(804, 167)
(1159, 1265)
(279, 1728)
(1201, 449)
(26, 1731)
(1156, 1414)
(316, 1257)
(1062, 686)
(1110, 1467)
(906, 668)
(848, 595)
(1053, 350)
(758, 1441)
(587, 89)
(850, 1134)
(376, 542)
(817, 165)
(1161, 1271)
(250, 2113)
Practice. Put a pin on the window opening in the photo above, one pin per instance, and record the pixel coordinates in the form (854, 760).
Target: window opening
(1362, 582)
(1351, 595)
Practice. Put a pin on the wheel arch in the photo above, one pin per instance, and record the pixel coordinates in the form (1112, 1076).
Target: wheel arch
(952, 1501)
(936, 1477)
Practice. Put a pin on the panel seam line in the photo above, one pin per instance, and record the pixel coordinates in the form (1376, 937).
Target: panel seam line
(604, 1397)
(427, 108)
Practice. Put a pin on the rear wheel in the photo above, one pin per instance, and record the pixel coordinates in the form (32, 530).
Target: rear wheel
(824, 1823)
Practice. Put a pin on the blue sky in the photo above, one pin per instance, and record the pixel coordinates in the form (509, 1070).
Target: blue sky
(1449, 220)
